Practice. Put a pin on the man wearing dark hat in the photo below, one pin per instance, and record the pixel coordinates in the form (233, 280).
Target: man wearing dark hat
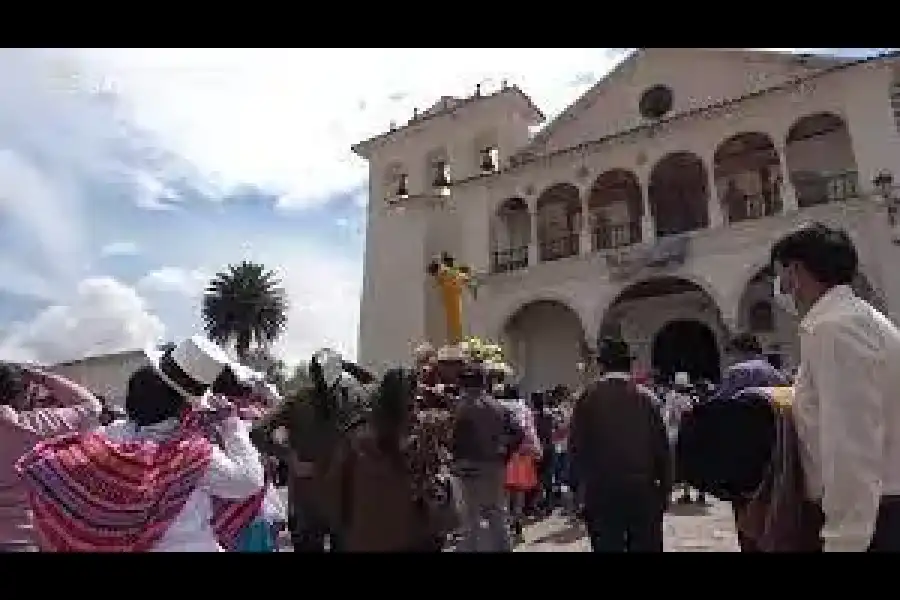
(620, 452)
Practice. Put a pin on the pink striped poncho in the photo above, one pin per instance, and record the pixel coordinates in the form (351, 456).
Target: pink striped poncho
(90, 494)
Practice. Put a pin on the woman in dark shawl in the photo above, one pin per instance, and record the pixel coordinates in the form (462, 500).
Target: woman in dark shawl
(378, 492)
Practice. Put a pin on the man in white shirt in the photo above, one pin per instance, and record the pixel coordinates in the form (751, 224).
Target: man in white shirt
(846, 407)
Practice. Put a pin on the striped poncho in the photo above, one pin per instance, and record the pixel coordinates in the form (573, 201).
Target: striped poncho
(91, 494)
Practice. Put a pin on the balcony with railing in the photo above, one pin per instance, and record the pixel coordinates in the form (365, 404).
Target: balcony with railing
(559, 247)
(509, 259)
(814, 187)
(609, 236)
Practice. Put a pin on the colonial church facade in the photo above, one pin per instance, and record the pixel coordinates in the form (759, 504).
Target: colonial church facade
(646, 209)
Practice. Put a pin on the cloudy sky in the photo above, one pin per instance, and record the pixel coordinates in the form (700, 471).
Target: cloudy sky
(128, 176)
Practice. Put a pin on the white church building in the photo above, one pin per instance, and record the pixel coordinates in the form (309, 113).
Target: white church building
(646, 209)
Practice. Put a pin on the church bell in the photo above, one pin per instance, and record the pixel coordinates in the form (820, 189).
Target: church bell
(402, 187)
(489, 160)
(441, 178)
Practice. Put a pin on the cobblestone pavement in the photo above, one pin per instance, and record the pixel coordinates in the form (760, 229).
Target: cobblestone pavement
(687, 529)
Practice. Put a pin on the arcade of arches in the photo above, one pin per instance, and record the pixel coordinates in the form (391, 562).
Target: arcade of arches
(671, 325)
(776, 330)
(660, 318)
(752, 175)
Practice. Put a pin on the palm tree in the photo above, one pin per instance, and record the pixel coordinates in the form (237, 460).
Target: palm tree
(243, 305)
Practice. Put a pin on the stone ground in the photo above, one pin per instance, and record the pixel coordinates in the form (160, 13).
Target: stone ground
(689, 528)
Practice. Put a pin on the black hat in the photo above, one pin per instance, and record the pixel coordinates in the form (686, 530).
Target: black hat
(612, 350)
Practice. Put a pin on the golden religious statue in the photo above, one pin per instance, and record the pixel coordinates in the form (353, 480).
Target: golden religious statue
(451, 281)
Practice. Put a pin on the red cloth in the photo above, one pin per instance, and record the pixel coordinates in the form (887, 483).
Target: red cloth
(521, 472)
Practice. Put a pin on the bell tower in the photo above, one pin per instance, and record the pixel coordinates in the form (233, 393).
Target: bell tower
(414, 209)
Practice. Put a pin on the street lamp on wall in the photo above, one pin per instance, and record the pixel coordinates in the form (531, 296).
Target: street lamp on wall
(489, 160)
(441, 183)
(884, 187)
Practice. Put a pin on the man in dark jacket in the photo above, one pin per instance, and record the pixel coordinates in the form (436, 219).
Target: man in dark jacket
(484, 433)
(620, 452)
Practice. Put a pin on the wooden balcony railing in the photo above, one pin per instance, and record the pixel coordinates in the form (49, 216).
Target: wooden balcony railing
(559, 247)
(608, 236)
(509, 259)
(812, 188)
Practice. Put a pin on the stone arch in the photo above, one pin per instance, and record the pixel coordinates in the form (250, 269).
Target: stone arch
(510, 235)
(779, 338)
(702, 361)
(679, 194)
(864, 288)
(544, 341)
(820, 159)
(639, 310)
(615, 208)
(558, 211)
(698, 281)
(437, 162)
(762, 271)
(747, 171)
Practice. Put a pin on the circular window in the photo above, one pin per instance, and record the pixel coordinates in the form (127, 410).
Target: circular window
(656, 102)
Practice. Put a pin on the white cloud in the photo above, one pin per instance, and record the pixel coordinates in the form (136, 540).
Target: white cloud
(299, 114)
(105, 316)
(34, 203)
(62, 144)
(177, 280)
(300, 109)
(121, 248)
(324, 310)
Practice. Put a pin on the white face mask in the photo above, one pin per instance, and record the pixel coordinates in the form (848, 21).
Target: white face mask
(783, 299)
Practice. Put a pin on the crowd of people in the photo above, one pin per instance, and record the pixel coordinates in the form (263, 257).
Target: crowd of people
(451, 454)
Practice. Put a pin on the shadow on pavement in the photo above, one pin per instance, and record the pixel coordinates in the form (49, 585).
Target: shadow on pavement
(688, 510)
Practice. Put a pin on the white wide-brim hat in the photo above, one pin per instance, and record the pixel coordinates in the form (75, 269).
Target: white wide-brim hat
(452, 353)
(245, 375)
(682, 379)
(191, 367)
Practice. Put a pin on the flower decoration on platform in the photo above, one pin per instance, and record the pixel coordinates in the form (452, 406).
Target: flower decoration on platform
(482, 350)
